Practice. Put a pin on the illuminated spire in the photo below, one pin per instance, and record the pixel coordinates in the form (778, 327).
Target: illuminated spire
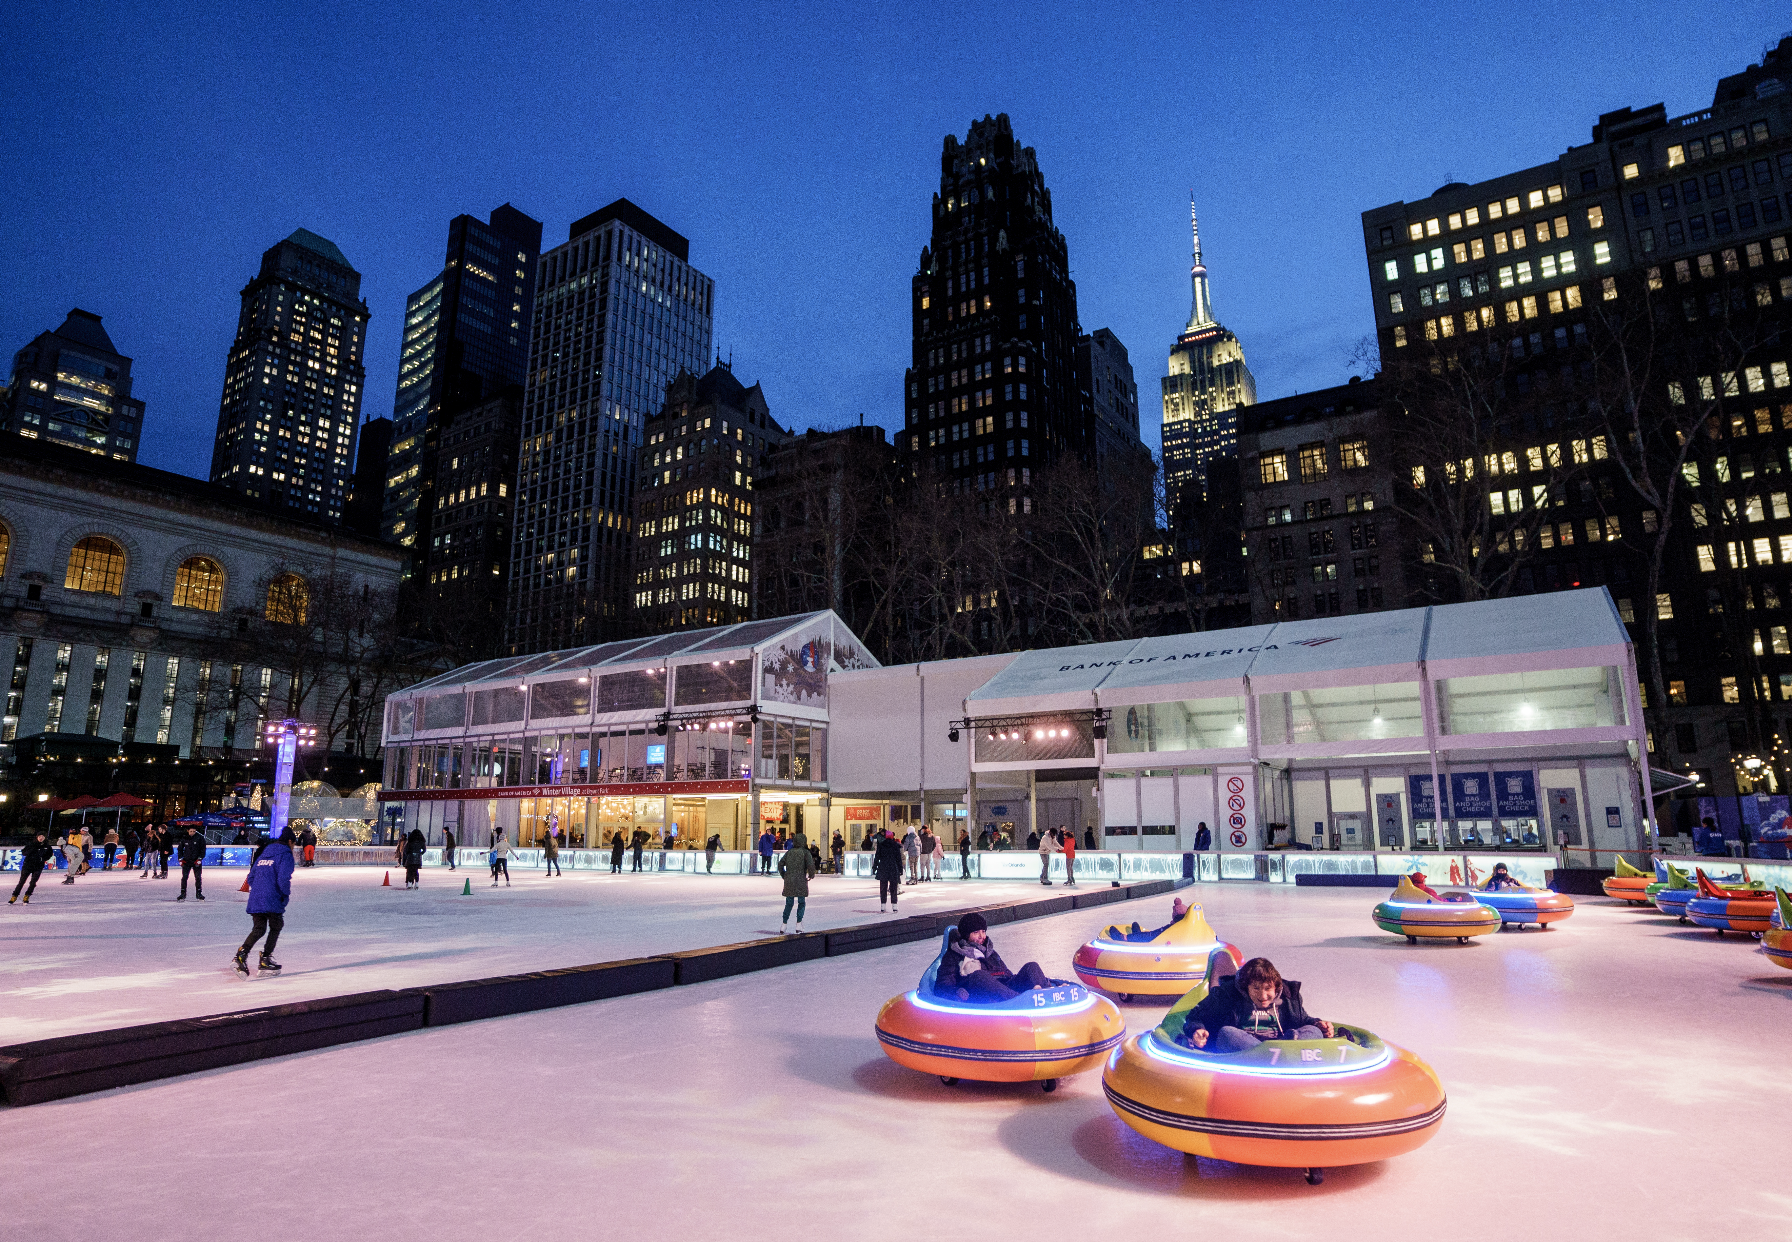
(1201, 313)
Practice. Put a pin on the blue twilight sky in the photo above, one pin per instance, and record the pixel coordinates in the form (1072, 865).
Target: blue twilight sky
(154, 151)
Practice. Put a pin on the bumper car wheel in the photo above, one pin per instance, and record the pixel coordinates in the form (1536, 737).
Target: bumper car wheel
(1049, 1085)
(1315, 1176)
(949, 1082)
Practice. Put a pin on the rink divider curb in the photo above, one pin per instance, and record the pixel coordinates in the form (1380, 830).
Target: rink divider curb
(702, 965)
(52, 1069)
(445, 1004)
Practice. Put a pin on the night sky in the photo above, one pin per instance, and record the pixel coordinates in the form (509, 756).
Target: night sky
(154, 151)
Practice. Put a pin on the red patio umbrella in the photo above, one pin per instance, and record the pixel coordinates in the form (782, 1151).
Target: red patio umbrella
(118, 802)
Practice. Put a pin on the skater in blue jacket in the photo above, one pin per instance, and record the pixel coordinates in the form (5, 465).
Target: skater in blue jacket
(270, 888)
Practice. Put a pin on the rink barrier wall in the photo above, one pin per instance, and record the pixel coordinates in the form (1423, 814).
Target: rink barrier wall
(702, 965)
(53, 1069)
(1346, 881)
(502, 995)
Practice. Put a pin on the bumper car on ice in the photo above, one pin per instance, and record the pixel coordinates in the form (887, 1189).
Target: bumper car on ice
(1628, 883)
(1776, 943)
(1167, 962)
(1305, 1104)
(1038, 1036)
(1671, 897)
(1730, 909)
(1420, 915)
(1522, 904)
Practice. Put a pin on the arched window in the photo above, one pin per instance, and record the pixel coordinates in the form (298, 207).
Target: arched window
(199, 583)
(5, 547)
(96, 564)
(288, 599)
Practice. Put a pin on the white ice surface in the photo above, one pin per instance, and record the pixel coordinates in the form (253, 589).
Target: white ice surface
(1618, 1077)
(113, 949)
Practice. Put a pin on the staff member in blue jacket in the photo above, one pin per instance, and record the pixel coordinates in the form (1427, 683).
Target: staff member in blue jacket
(270, 888)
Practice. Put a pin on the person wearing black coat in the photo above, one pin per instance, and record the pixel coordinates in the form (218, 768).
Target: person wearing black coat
(37, 855)
(414, 846)
(1203, 836)
(164, 848)
(886, 865)
(1254, 1005)
(616, 848)
(192, 862)
(972, 969)
(964, 854)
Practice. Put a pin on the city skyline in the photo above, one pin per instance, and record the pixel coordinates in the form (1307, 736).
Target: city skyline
(843, 234)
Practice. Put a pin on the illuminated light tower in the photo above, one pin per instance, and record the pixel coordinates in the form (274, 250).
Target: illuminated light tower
(287, 736)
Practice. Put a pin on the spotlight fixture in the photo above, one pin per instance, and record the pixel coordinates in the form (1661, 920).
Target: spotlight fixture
(951, 735)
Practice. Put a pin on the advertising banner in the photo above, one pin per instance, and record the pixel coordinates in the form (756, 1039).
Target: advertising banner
(1424, 806)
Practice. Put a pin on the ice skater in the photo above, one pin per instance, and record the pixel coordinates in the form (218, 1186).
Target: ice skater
(550, 853)
(270, 888)
(709, 852)
(500, 859)
(448, 847)
(192, 862)
(1256, 1005)
(617, 845)
(1069, 839)
(767, 843)
(640, 842)
(964, 854)
(798, 867)
(911, 849)
(164, 848)
(36, 854)
(71, 855)
(886, 865)
(414, 845)
(1048, 845)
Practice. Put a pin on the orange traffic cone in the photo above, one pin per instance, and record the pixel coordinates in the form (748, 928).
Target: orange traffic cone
(245, 887)
(387, 882)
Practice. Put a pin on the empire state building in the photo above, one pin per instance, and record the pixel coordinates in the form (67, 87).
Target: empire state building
(1208, 381)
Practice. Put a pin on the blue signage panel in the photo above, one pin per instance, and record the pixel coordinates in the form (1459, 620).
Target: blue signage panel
(656, 753)
(1470, 795)
(1515, 794)
(1418, 789)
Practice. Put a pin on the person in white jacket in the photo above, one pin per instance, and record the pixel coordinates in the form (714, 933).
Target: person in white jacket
(1048, 845)
(500, 859)
(71, 854)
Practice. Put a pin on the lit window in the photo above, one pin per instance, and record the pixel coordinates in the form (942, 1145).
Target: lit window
(1391, 269)
(1631, 172)
(95, 564)
(1730, 692)
(1596, 217)
(199, 583)
(1676, 156)
(288, 600)
(1707, 561)
(1602, 252)
(1273, 467)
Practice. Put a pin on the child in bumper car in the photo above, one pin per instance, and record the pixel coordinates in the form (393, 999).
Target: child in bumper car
(972, 969)
(1253, 1006)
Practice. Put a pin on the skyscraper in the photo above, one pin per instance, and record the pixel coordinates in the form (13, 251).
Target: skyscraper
(990, 392)
(466, 339)
(292, 385)
(1207, 382)
(694, 509)
(72, 387)
(1110, 404)
(619, 311)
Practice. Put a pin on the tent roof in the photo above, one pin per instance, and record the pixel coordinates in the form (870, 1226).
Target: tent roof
(1564, 629)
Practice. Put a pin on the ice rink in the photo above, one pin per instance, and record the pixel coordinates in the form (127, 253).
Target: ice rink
(1620, 1076)
(115, 950)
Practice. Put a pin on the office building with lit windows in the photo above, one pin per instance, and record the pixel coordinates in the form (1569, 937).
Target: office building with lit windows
(292, 383)
(1207, 383)
(466, 340)
(1110, 403)
(619, 312)
(71, 386)
(1647, 269)
(991, 388)
(694, 502)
